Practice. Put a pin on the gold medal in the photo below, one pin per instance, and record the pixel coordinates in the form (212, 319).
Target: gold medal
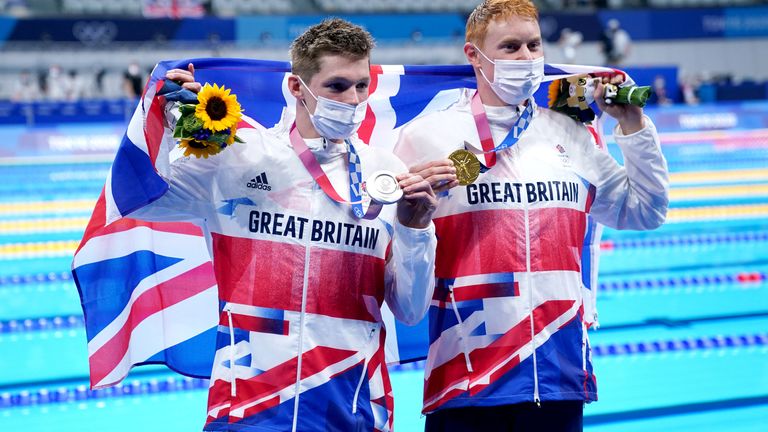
(467, 166)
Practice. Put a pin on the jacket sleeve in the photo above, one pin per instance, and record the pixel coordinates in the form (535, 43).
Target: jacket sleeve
(410, 272)
(190, 182)
(635, 196)
(189, 194)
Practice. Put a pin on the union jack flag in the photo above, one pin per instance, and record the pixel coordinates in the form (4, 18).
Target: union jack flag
(147, 289)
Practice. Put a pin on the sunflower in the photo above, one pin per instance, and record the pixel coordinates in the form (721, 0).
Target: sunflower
(199, 149)
(217, 108)
(231, 137)
(553, 93)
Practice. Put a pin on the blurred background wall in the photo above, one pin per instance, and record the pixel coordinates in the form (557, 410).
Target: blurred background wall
(82, 49)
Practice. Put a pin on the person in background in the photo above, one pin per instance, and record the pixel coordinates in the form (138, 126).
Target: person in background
(508, 336)
(616, 43)
(25, 88)
(133, 81)
(568, 42)
(56, 84)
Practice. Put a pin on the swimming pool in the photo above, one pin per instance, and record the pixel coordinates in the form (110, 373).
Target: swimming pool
(683, 342)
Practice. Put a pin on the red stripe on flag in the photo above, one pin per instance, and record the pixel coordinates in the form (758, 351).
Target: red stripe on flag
(479, 242)
(152, 301)
(369, 122)
(282, 376)
(259, 272)
(126, 224)
(596, 136)
(97, 221)
(474, 292)
(255, 324)
(153, 126)
(218, 394)
(486, 359)
(493, 241)
(338, 282)
(269, 274)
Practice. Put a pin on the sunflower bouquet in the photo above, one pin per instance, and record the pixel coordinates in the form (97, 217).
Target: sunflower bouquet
(209, 126)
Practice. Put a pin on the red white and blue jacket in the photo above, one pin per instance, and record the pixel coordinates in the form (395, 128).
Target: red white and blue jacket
(301, 282)
(507, 320)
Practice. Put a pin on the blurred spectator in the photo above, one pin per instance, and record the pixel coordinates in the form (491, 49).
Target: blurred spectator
(417, 36)
(15, 8)
(26, 88)
(660, 91)
(173, 8)
(74, 86)
(133, 81)
(568, 42)
(615, 42)
(99, 81)
(689, 86)
(56, 84)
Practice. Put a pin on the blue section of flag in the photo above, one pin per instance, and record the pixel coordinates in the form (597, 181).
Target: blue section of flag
(230, 205)
(258, 84)
(106, 286)
(422, 83)
(412, 341)
(586, 254)
(135, 183)
(193, 357)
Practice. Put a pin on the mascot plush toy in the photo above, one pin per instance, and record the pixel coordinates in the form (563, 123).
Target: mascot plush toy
(573, 96)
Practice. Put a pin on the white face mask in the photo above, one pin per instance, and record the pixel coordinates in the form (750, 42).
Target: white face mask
(515, 81)
(335, 120)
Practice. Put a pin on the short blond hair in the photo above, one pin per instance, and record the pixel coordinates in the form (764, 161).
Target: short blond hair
(491, 10)
(333, 36)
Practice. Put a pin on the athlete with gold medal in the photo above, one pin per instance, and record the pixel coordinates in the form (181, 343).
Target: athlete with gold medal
(509, 316)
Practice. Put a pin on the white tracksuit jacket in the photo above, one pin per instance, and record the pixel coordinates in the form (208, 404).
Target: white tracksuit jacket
(507, 316)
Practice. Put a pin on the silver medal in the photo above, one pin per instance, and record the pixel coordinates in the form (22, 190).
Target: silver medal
(383, 188)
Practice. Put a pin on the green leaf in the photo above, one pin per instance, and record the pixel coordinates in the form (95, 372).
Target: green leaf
(238, 139)
(178, 130)
(191, 123)
(187, 109)
(218, 138)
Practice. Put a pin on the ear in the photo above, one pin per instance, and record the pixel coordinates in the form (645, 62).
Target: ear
(294, 86)
(473, 57)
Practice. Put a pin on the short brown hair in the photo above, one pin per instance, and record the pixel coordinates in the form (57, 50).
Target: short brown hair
(332, 36)
(491, 10)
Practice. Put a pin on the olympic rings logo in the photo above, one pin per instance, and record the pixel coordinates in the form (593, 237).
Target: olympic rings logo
(94, 33)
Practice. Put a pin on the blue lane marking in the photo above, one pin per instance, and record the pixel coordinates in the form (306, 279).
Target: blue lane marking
(46, 396)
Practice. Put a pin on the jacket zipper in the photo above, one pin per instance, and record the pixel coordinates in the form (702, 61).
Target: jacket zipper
(304, 287)
(365, 370)
(530, 297)
(462, 331)
(232, 378)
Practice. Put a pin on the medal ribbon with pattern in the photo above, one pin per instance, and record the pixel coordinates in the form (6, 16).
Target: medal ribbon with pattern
(355, 176)
(484, 130)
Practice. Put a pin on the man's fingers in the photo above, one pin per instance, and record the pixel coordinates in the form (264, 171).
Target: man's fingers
(445, 186)
(180, 75)
(193, 86)
(409, 182)
(439, 179)
(598, 95)
(436, 164)
(433, 172)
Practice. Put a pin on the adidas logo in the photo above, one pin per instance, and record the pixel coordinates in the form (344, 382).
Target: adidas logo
(260, 182)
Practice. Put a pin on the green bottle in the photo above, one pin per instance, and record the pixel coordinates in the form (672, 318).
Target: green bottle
(633, 95)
